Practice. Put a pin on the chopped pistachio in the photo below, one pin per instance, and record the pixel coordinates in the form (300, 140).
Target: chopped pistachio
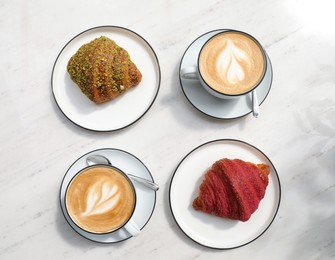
(101, 64)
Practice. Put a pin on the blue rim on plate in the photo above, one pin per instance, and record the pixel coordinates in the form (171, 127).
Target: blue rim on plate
(145, 197)
(146, 106)
(217, 103)
(211, 231)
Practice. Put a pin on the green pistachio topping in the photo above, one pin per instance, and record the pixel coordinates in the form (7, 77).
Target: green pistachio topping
(100, 64)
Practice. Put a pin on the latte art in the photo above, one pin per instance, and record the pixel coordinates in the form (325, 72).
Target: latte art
(232, 63)
(100, 199)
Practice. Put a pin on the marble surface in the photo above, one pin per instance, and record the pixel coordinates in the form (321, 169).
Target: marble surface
(296, 128)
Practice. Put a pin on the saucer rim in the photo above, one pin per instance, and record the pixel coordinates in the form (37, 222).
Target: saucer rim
(62, 183)
(203, 112)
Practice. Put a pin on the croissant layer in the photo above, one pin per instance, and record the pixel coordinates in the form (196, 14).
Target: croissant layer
(232, 189)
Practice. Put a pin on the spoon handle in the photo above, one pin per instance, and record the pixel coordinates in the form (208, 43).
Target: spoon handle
(255, 106)
(145, 182)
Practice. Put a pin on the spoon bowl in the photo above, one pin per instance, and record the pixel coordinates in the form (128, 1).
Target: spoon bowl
(100, 159)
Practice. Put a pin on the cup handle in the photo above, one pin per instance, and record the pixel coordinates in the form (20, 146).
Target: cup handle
(189, 72)
(132, 228)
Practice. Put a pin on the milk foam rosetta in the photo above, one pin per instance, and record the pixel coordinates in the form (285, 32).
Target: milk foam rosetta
(232, 63)
(100, 199)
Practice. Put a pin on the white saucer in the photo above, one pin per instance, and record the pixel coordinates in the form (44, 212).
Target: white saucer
(212, 231)
(125, 109)
(146, 198)
(207, 103)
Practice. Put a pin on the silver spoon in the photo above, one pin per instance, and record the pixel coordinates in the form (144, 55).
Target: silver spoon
(255, 105)
(100, 159)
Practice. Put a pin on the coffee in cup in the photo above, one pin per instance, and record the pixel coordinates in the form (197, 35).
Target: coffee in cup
(231, 63)
(101, 199)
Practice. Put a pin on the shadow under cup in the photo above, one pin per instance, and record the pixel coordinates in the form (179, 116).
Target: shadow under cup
(101, 199)
(230, 64)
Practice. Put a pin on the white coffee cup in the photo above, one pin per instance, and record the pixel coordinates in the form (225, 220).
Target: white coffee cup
(101, 199)
(230, 64)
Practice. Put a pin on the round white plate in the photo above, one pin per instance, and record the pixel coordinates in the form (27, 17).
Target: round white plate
(146, 198)
(212, 231)
(207, 103)
(125, 109)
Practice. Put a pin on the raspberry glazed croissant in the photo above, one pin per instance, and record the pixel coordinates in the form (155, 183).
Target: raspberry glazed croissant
(103, 70)
(232, 189)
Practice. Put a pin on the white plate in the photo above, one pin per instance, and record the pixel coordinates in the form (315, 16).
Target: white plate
(207, 103)
(146, 198)
(125, 109)
(209, 230)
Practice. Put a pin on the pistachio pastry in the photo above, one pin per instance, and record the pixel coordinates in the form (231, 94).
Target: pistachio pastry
(103, 70)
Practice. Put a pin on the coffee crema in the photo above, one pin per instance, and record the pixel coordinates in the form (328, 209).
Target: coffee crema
(100, 199)
(232, 63)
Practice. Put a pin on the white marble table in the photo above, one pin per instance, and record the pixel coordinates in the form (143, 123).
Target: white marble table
(296, 128)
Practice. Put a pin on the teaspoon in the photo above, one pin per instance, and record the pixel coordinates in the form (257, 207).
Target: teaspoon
(100, 159)
(255, 105)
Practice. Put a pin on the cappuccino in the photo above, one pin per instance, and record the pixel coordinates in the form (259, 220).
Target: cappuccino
(232, 63)
(100, 199)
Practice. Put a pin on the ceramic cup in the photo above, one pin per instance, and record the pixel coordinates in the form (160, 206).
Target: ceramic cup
(101, 199)
(230, 64)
